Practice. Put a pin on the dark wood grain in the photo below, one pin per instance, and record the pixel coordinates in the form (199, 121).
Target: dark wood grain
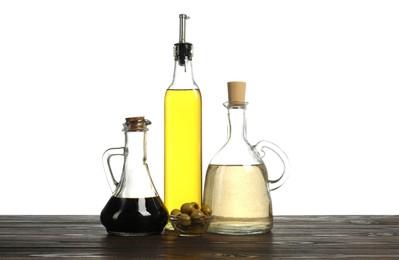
(293, 237)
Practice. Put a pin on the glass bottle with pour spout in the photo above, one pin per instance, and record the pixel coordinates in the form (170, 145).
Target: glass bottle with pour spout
(237, 187)
(135, 208)
(182, 131)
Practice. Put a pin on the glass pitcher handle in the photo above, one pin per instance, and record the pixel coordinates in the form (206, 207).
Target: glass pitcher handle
(274, 184)
(107, 165)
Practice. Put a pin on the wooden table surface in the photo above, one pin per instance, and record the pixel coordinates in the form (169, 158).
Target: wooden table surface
(293, 237)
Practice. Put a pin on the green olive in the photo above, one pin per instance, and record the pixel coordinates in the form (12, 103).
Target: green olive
(175, 212)
(185, 223)
(197, 213)
(206, 210)
(187, 208)
(195, 205)
(185, 217)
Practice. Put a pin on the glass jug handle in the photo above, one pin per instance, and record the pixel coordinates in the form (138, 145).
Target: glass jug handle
(107, 165)
(274, 184)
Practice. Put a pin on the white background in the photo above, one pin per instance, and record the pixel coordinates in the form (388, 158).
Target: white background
(322, 80)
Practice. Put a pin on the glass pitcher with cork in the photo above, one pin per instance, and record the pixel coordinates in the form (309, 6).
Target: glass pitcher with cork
(237, 186)
(135, 208)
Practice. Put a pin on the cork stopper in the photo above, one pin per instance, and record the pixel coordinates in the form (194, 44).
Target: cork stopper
(236, 92)
(135, 124)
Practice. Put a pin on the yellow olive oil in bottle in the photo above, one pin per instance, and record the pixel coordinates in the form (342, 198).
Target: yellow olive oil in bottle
(182, 148)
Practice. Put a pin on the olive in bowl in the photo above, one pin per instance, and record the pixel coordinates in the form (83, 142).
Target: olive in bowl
(190, 220)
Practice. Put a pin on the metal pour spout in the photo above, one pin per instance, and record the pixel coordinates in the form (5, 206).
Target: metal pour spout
(183, 49)
(182, 31)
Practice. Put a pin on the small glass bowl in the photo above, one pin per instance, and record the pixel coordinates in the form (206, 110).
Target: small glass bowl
(196, 226)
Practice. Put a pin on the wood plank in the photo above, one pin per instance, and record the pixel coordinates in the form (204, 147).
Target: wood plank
(297, 237)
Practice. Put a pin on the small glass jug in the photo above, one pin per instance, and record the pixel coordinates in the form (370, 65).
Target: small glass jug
(135, 208)
(237, 184)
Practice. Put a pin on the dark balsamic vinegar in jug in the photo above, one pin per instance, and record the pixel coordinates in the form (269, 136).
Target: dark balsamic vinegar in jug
(135, 208)
(139, 215)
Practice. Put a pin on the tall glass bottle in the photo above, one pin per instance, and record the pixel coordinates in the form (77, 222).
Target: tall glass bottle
(182, 148)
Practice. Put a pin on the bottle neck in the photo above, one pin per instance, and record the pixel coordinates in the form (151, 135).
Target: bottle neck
(183, 77)
(237, 126)
(135, 181)
(135, 147)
